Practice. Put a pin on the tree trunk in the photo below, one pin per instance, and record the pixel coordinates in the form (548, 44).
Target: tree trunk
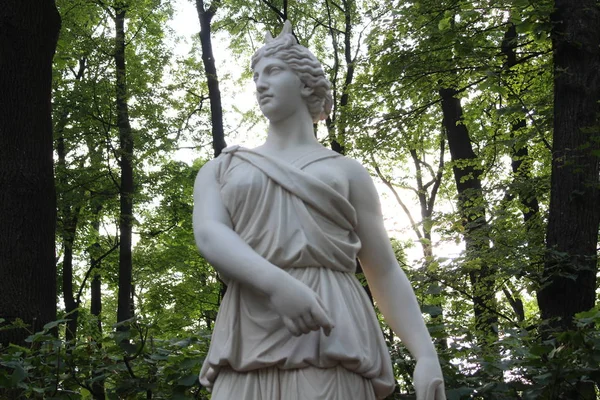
(125, 297)
(68, 210)
(95, 265)
(521, 169)
(570, 268)
(472, 212)
(521, 165)
(216, 110)
(205, 17)
(69, 231)
(98, 387)
(337, 130)
(68, 219)
(28, 36)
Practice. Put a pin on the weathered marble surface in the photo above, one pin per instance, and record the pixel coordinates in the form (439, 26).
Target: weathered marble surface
(284, 224)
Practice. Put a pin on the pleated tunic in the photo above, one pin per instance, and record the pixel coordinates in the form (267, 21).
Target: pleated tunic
(299, 222)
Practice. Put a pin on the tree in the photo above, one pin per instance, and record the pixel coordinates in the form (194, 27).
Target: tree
(444, 53)
(471, 205)
(95, 133)
(208, 59)
(126, 188)
(29, 33)
(570, 267)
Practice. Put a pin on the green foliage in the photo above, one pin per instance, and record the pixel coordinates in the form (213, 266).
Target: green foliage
(530, 368)
(129, 364)
(402, 54)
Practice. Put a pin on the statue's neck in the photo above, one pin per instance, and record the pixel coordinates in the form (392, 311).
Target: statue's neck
(295, 132)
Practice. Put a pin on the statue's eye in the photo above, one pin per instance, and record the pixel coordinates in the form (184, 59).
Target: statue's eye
(274, 70)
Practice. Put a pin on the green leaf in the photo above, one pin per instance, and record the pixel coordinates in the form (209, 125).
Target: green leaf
(540, 350)
(444, 23)
(189, 380)
(54, 324)
(18, 374)
(191, 362)
(434, 289)
(183, 343)
(431, 310)
(159, 357)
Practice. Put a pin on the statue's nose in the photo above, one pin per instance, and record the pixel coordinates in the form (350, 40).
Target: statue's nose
(261, 85)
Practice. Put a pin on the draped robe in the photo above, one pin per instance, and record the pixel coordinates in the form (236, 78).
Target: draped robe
(301, 223)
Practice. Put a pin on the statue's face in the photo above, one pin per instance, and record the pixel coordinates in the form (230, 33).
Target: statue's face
(278, 89)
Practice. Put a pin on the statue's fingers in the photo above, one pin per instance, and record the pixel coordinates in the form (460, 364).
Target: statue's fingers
(301, 325)
(310, 322)
(320, 315)
(291, 326)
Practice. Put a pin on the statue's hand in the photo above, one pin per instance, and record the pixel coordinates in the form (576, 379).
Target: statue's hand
(428, 379)
(300, 308)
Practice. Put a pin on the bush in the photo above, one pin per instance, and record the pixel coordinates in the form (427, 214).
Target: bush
(126, 364)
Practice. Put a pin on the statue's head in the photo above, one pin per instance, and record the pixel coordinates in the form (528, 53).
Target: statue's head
(304, 64)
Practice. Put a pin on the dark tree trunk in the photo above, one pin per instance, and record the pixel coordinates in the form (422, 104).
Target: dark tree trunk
(68, 219)
(467, 175)
(98, 387)
(521, 165)
(570, 268)
(68, 212)
(337, 130)
(521, 168)
(216, 110)
(125, 297)
(28, 36)
(96, 293)
(95, 265)
(349, 8)
(212, 79)
(71, 305)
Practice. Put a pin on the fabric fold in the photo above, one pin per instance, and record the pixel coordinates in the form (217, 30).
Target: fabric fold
(301, 224)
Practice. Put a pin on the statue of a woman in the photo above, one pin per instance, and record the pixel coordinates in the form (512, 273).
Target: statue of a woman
(283, 224)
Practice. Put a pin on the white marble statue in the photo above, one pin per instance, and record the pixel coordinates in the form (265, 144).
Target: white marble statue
(283, 224)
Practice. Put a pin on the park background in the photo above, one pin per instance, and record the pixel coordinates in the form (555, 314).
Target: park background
(479, 121)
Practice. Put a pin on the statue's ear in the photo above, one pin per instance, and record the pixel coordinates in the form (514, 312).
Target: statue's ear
(306, 91)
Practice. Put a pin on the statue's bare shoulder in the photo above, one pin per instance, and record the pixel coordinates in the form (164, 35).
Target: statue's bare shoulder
(361, 189)
(353, 171)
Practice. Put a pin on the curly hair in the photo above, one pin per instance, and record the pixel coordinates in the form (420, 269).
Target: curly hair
(304, 64)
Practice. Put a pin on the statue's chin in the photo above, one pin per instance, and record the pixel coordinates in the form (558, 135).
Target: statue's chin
(274, 114)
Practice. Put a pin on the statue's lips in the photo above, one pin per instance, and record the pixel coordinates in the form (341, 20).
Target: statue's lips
(264, 98)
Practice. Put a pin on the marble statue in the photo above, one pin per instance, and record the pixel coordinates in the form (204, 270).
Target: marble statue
(283, 224)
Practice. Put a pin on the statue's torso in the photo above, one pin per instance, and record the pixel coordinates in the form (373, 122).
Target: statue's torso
(297, 216)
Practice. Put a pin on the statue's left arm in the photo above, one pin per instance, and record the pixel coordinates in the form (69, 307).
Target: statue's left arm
(391, 289)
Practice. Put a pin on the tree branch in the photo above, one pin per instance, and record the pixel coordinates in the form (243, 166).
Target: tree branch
(92, 267)
(398, 199)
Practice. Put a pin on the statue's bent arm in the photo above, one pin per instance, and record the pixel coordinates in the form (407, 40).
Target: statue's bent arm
(217, 241)
(298, 305)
